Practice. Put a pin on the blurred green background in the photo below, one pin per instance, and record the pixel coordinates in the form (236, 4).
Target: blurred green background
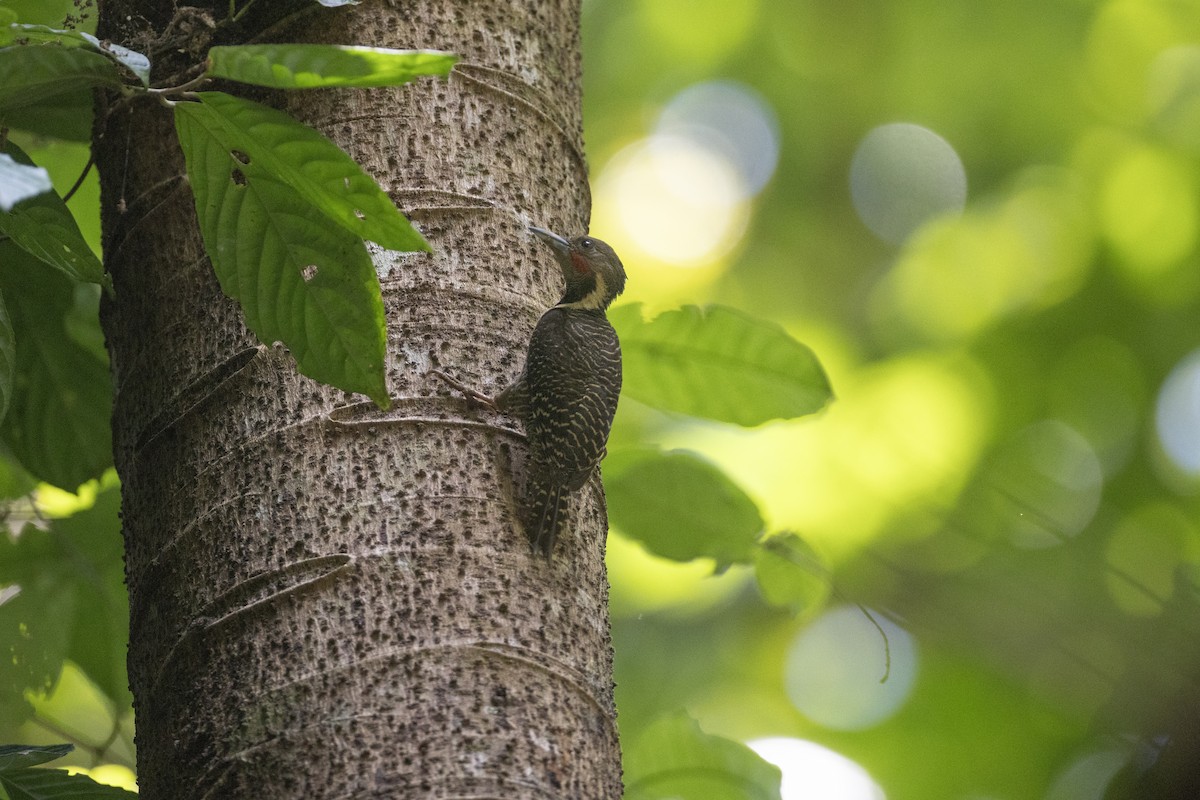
(983, 219)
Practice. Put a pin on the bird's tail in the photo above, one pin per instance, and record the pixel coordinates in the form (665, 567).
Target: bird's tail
(545, 514)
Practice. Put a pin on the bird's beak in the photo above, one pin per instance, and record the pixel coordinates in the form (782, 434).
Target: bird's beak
(558, 244)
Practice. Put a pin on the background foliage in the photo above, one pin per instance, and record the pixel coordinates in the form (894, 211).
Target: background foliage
(983, 219)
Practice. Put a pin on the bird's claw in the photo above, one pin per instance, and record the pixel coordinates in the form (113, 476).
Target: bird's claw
(467, 391)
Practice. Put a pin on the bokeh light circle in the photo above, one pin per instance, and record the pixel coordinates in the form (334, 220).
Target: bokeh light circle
(1173, 92)
(731, 119)
(1145, 553)
(1177, 416)
(834, 668)
(678, 202)
(812, 771)
(1047, 481)
(1088, 777)
(903, 175)
(1148, 212)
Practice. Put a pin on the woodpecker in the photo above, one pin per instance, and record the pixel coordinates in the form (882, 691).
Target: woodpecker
(567, 393)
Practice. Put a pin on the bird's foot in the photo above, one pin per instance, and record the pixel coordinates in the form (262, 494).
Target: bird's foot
(471, 394)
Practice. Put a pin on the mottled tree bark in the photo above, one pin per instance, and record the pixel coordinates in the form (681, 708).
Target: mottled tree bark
(329, 600)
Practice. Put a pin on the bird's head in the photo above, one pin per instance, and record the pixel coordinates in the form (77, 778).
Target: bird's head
(594, 274)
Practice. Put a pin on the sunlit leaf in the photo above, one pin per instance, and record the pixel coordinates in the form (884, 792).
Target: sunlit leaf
(299, 280)
(19, 181)
(21, 756)
(34, 73)
(718, 363)
(308, 66)
(135, 62)
(36, 621)
(44, 227)
(681, 506)
(43, 784)
(269, 142)
(791, 574)
(674, 759)
(58, 421)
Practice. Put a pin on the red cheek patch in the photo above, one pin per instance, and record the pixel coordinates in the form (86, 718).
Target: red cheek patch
(580, 264)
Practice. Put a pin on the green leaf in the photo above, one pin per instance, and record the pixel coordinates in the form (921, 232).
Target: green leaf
(7, 16)
(135, 62)
(43, 784)
(681, 506)
(274, 144)
(674, 759)
(791, 574)
(20, 756)
(34, 73)
(308, 66)
(71, 603)
(718, 363)
(43, 227)
(19, 181)
(99, 628)
(299, 280)
(15, 481)
(66, 116)
(58, 422)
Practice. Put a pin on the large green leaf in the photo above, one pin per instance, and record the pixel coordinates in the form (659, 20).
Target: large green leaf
(44, 227)
(34, 73)
(58, 422)
(718, 363)
(308, 66)
(680, 506)
(269, 142)
(674, 759)
(44, 784)
(300, 279)
(135, 62)
(22, 756)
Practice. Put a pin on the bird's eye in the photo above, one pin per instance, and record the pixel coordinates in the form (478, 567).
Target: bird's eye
(586, 243)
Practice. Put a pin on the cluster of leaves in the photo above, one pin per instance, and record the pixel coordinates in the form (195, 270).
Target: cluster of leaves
(719, 364)
(260, 179)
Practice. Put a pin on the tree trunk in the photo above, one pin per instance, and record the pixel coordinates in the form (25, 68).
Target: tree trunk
(329, 600)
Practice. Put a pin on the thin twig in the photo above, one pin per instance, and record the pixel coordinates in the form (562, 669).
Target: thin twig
(79, 181)
(887, 645)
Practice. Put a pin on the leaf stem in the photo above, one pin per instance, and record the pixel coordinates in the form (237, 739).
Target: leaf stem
(235, 16)
(182, 88)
